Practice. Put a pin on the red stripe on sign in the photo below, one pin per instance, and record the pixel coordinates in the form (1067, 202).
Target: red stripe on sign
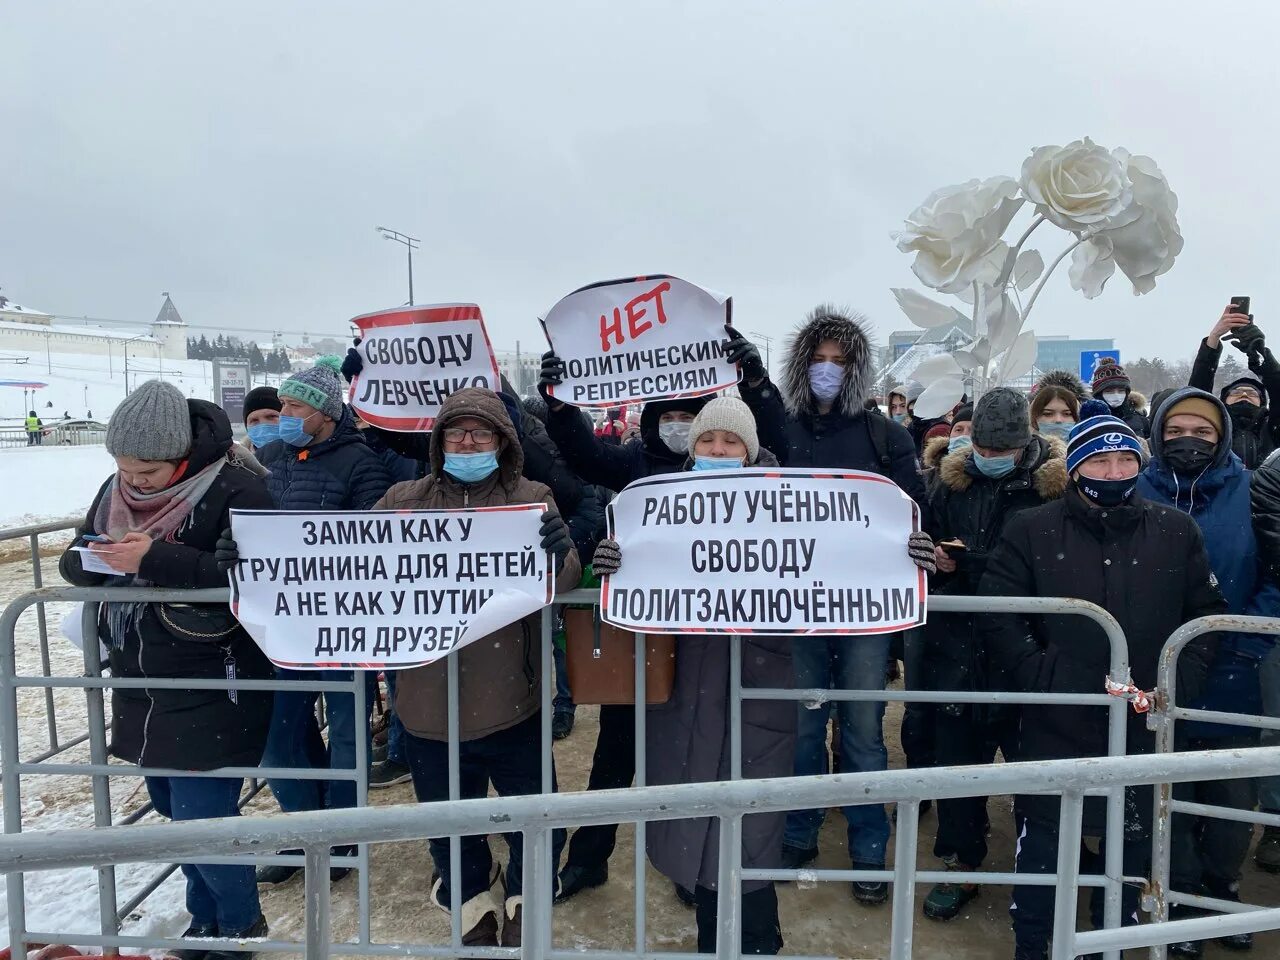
(432, 313)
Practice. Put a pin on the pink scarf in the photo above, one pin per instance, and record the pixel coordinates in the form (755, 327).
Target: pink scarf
(125, 509)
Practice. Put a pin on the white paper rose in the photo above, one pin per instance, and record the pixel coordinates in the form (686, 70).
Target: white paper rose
(1143, 245)
(1077, 187)
(955, 234)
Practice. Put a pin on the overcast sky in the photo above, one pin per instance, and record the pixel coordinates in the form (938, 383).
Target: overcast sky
(239, 154)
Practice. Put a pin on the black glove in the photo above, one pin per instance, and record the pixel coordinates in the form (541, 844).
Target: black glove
(551, 374)
(353, 363)
(920, 548)
(226, 552)
(555, 536)
(607, 558)
(738, 349)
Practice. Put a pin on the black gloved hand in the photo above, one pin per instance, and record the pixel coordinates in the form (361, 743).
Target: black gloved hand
(607, 558)
(225, 551)
(738, 349)
(1249, 339)
(551, 374)
(352, 363)
(555, 536)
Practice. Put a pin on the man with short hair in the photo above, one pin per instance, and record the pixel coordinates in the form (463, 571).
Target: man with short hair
(1143, 563)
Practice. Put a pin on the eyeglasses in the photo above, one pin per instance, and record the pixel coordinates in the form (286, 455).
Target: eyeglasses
(1244, 393)
(480, 435)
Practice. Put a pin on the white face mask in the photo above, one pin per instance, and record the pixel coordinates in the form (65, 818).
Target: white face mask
(1114, 398)
(675, 434)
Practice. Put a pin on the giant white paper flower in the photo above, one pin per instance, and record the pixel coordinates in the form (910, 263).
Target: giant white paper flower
(1146, 240)
(956, 233)
(1077, 186)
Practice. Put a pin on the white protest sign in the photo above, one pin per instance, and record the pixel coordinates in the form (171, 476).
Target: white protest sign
(384, 588)
(642, 338)
(764, 550)
(414, 357)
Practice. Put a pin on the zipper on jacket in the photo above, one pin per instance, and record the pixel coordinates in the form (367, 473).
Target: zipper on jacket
(146, 724)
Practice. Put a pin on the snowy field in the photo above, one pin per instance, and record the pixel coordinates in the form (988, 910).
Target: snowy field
(816, 918)
(50, 482)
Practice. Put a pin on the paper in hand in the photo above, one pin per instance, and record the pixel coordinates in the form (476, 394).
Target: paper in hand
(94, 563)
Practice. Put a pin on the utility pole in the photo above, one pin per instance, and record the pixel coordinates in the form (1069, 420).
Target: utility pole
(411, 244)
(768, 346)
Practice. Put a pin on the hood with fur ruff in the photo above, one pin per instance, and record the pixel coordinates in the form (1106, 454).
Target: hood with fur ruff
(845, 327)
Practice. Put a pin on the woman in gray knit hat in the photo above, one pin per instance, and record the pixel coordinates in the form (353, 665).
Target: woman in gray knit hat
(155, 522)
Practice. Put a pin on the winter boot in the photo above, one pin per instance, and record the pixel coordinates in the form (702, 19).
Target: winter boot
(192, 932)
(946, 900)
(512, 917)
(870, 893)
(1185, 949)
(255, 932)
(793, 858)
(479, 916)
(388, 773)
(1229, 890)
(575, 879)
(274, 873)
(1267, 856)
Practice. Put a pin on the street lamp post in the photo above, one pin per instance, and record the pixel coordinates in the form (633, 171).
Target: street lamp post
(126, 359)
(411, 244)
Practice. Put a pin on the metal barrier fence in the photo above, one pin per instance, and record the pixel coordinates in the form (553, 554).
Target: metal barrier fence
(903, 874)
(1162, 720)
(54, 434)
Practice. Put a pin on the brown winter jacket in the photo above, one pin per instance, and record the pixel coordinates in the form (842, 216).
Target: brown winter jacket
(499, 680)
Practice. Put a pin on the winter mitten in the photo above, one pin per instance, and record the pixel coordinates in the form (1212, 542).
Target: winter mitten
(225, 551)
(920, 549)
(555, 537)
(607, 558)
(353, 363)
(738, 349)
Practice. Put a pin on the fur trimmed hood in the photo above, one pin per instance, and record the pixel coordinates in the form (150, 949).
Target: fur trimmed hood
(934, 452)
(846, 328)
(1048, 475)
(1066, 379)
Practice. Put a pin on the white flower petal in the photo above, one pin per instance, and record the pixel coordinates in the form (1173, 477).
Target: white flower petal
(939, 397)
(1027, 268)
(924, 312)
(935, 368)
(1092, 266)
(1019, 359)
(1003, 323)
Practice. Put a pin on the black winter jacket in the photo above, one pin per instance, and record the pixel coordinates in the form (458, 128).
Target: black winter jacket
(340, 473)
(974, 509)
(1143, 563)
(186, 729)
(1255, 435)
(1264, 504)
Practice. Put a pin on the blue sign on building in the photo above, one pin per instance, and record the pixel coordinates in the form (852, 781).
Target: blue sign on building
(1089, 360)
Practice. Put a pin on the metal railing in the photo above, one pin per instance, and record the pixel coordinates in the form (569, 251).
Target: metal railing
(1163, 719)
(903, 873)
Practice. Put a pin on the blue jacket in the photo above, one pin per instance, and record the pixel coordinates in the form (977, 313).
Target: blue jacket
(1219, 503)
(340, 473)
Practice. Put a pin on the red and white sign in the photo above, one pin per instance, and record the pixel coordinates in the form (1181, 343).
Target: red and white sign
(414, 358)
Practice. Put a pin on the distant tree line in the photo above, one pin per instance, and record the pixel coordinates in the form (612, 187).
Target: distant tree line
(233, 348)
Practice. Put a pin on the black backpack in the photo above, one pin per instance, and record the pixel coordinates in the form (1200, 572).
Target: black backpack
(878, 431)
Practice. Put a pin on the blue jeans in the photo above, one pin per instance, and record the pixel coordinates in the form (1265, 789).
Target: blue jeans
(221, 896)
(395, 729)
(563, 702)
(294, 741)
(842, 663)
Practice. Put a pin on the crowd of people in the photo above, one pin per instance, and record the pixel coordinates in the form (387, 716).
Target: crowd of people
(1159, 513)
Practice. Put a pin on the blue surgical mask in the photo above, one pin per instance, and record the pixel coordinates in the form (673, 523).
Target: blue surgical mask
(1051, 429)
(292, 430)
(470, 467)
(716, 463)
(899, 418)
(825, 380)
(961, 441)
(260, 434)
(995, 467)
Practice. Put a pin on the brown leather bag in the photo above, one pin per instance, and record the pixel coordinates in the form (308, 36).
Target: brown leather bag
(610, 677)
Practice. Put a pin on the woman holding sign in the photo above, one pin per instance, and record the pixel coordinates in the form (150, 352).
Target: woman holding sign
(154, 523)
(689, 735)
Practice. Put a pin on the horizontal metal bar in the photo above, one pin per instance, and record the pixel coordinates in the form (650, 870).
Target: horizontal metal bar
(189, 840)
(1217, 716)
(347, 948)
(929, 876)
(1211, 903)
(183, 683)
(48, 526)
(54, 751)
(1225, 813)
(47, 769)
(1172, 931)
(818, 696)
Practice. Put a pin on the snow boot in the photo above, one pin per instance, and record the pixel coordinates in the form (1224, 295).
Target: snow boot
(276, 873)
(513, 917)
(257, 931)
(870, 893)
(946, 900)
(575, 879)
(479, 916)
(194, 931)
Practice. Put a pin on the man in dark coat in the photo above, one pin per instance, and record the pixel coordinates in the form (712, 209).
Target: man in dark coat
(1111, 385)
(980, 487)
(817, 417)
(1143, 563)
(1264, 494)
(320, 462)
(1250, 400)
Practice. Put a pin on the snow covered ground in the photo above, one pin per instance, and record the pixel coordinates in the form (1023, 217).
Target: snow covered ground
(50, 482)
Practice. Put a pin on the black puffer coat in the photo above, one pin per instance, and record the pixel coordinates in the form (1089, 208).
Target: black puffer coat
(340, 473)
(1143, 563)
(187, 729)
(1264, 503)
(974, 509)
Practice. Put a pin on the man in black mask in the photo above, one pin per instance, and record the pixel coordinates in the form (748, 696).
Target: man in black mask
(1255, 429)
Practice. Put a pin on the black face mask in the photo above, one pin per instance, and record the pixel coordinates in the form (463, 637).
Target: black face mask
(1244, 411)
(1189, 456)
(1106, 493)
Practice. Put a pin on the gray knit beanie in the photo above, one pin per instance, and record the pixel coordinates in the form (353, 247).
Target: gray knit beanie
(731, 414)
(1002, 420)
(316, 387)
(152, 423)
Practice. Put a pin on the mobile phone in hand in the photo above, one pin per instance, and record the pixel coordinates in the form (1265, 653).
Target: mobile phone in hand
(96, 538)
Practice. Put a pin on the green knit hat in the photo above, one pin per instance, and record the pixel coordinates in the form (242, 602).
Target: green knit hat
(316, 387)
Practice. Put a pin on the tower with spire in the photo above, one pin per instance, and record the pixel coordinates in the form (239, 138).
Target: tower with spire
(170, 330)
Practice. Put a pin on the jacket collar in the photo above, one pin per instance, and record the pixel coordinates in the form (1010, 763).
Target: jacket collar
(1043, 466)
(1104, 524)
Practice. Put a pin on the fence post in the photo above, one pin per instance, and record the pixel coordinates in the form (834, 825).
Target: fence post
(316, 891)
(641, 754)
(101, 783)
(9, 779)
(1070, 823)
(729, 889)
(37, 581)
(904, 879)
(535, 933)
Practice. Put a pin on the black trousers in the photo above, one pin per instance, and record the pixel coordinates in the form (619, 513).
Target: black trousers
(918, 719)
(612, 768)
(761, 931)
(965, 736)
(1207, 852)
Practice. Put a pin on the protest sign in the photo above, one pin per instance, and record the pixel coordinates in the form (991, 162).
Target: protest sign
(384, 588)
(764, 550)
(414, 357)
(642, 338)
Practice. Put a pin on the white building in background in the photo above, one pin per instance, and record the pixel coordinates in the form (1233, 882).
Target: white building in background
(33, 331)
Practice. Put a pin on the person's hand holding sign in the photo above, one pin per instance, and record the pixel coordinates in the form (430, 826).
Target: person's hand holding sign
(607, 558)
(738, 349)
(551, 374)
(555, 536)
